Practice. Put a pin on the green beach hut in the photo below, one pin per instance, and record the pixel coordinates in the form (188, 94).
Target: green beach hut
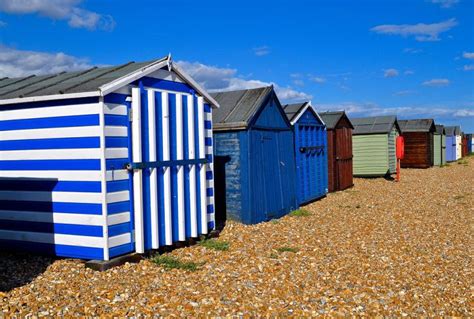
(373, 143)
(439, 146)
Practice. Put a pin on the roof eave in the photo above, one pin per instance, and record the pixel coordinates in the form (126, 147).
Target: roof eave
(53, 97)
(236, 126)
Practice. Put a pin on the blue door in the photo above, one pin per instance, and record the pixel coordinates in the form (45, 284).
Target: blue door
(311, 161)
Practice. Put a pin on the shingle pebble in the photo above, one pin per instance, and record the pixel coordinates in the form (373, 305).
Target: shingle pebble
(379, 248)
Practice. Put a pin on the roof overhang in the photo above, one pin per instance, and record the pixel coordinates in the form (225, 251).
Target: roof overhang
(120, 82)
(152, 67)
(54, 97)
(301, 112)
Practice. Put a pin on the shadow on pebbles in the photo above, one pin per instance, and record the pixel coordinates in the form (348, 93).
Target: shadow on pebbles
(379, 248)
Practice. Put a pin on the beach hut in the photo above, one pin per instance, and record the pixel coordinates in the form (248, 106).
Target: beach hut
(470, 143)
(374, 145)
(106, 161)
(439, 146)
(451, 133)
(254, 156)
(339, 132)
(464, 145)
(458, 142)
(418, 135)
(310, 151)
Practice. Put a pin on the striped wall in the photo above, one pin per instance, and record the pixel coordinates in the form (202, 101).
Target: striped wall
(64, 185)
(171, 203)
(116, 130)
(51, 179)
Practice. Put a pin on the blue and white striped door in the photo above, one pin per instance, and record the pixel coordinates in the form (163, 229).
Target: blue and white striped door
(171, 203)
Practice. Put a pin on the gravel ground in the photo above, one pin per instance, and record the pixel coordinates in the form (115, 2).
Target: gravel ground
(379, 248)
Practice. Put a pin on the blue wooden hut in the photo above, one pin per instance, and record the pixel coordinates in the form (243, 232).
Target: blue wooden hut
(255, 166)
(451, 142)
(310, 151)
(106, 161)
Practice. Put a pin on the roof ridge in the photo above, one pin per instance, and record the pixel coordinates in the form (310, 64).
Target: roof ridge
(96, 77)
(72, 76)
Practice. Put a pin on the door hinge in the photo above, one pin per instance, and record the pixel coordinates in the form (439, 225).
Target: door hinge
(130, 115)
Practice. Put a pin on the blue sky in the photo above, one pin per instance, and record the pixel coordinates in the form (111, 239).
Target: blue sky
(413, 58)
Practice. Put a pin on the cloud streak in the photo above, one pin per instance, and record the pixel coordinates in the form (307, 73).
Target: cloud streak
(468, 55)
(60, 10)
(16, 63)
(373, 109)
(436, 82)
(390, 73)
(445, 3)
(214, 79)
(261, 51)
(421, 31)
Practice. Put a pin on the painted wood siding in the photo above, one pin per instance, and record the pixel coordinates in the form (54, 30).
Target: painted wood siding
(458, 147)
(418, 150)
(437, 150)
(51, 179)
(392, 151)
(443, 149)
(119, 201)
(311, 158)
(272, 175)
(370, 154)
(450, 148)
(229, 147)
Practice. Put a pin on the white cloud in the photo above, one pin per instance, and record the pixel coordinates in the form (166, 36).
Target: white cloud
(373, 109)
(468, 55)
(298, 82)
(409, 72)
(469, 67)
(421, 31)
(60, 10)
(261, 51)
(390, 73)
(317, 79)
(412, 50)
(214, 78)
(436, 82)
(445, 3)
(15, 63)
(404, 93)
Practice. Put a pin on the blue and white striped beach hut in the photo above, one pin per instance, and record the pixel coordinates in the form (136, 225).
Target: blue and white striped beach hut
(102, 162)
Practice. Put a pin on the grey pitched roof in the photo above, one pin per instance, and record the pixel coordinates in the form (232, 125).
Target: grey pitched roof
(66, 82)
(418, 125)
(374, 125)
(452, 130)
(95, 81)
(237, 108)
(332, 118)
(440, 129)
(291, 110)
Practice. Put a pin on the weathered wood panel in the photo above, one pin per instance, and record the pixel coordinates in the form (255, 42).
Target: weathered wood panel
(418, 150)
(228, 182)
(340, 157)
(344, 157)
